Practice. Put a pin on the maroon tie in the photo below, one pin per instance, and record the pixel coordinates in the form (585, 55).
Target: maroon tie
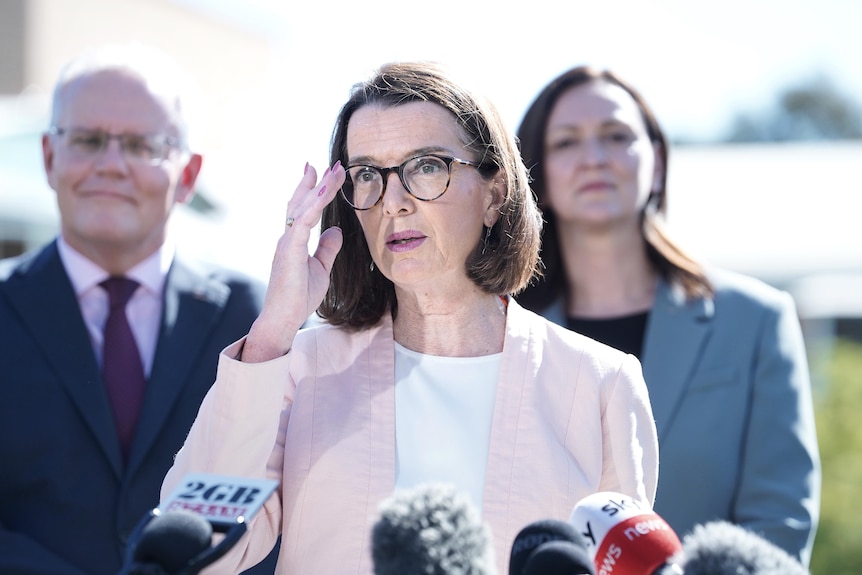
(122, 366)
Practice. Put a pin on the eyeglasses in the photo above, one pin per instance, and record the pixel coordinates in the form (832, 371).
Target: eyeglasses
(425, 177)
(87, 144)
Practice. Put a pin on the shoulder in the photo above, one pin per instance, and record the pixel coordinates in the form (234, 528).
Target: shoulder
(23, 262)
(208, 269)
(747, 293)
(554, 342)
(8, 266)
(208, 275)
(318, 337)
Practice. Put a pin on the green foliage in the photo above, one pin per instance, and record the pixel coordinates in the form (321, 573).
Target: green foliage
(838, 547)
(813, 109)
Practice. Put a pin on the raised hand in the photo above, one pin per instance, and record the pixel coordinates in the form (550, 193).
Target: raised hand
(297, 281)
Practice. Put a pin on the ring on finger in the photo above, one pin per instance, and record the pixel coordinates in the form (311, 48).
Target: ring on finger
(289, 221)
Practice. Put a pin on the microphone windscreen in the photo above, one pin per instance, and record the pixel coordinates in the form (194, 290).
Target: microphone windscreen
(431, 529)
(724, 548)
(559, 558)
(624, 536)
(534, 535)
(172, 539)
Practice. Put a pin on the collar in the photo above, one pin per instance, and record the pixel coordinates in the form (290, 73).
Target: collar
(86, 274)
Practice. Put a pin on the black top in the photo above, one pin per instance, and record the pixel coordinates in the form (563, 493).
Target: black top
(625, 333)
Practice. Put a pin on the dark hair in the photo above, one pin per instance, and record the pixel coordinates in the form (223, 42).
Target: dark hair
(358, 294)
(672, 263)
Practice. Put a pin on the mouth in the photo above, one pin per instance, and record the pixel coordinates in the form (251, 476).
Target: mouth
(406, 240)
(405, 237)
(106, 194)
(595, 187)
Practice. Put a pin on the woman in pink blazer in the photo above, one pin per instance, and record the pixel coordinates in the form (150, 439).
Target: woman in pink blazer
(423, 369)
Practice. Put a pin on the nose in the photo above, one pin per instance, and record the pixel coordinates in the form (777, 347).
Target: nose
(396, 198)
(594, 152)
(112, 158)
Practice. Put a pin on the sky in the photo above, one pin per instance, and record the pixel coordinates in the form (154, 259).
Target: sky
(696, 63)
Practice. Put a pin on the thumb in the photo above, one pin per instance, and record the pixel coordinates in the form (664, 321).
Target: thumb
(328, 246)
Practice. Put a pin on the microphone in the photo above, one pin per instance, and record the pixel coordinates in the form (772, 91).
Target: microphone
(176, 537)
(431, 529)
(624, 536)
(539, 533)
(724, 548)
(168, 543)
(559, 558)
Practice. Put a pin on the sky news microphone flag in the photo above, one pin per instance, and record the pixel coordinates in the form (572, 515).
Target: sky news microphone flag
(624, 536)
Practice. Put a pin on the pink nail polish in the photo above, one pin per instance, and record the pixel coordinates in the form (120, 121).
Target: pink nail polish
(326, 173)
(305, 171)
(322, 191)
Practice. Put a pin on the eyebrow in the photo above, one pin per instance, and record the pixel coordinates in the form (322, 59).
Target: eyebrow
(612, 123)
(369, 160)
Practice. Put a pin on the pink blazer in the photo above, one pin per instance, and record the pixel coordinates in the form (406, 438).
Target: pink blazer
(571, 417)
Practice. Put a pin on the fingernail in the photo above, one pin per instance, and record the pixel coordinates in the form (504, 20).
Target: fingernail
(322, 191)
(337, 164)
(326, 173)
(305, 171)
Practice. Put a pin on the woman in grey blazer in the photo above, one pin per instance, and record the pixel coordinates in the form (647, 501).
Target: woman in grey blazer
(722, 354)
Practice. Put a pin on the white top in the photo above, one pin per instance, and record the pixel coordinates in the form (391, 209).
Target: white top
(443, 411)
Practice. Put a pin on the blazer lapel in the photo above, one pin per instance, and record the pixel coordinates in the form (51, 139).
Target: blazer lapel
(676, 331)
(45, 296)
(192, 305)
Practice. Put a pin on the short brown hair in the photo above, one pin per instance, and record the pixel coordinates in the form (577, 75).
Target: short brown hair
(358, 295)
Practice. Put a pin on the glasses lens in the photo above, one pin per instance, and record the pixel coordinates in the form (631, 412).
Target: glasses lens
(143, 148)
(426, 177)
(138, 148)
(85, 142)
(362, 187)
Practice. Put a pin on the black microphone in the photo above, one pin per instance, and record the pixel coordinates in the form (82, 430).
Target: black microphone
(537, 534)
(430, 529)
(559, 558)
(176, 537)
(724, 548)
(167, 544)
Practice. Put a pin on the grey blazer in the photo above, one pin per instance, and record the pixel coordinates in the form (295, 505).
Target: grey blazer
(730, 391)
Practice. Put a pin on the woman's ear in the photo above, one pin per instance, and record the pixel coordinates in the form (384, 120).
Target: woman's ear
(496, 197)
(658, 170)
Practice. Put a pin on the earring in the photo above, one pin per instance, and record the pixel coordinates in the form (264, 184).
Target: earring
(371, 267)
(485, 240)
(651, 208)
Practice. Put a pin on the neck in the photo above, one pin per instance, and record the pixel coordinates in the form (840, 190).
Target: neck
(461, 325)
(607, 274)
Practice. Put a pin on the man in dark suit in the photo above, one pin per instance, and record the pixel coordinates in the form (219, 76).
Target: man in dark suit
(86, 438)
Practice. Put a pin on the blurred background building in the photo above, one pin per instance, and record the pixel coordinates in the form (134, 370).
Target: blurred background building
(37, 37)
(754, 199)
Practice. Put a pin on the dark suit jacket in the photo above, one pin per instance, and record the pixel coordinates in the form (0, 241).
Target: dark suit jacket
(67, 505)
(730, 391)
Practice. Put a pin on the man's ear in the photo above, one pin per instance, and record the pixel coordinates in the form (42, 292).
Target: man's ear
(48, 158)
(188, 177)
